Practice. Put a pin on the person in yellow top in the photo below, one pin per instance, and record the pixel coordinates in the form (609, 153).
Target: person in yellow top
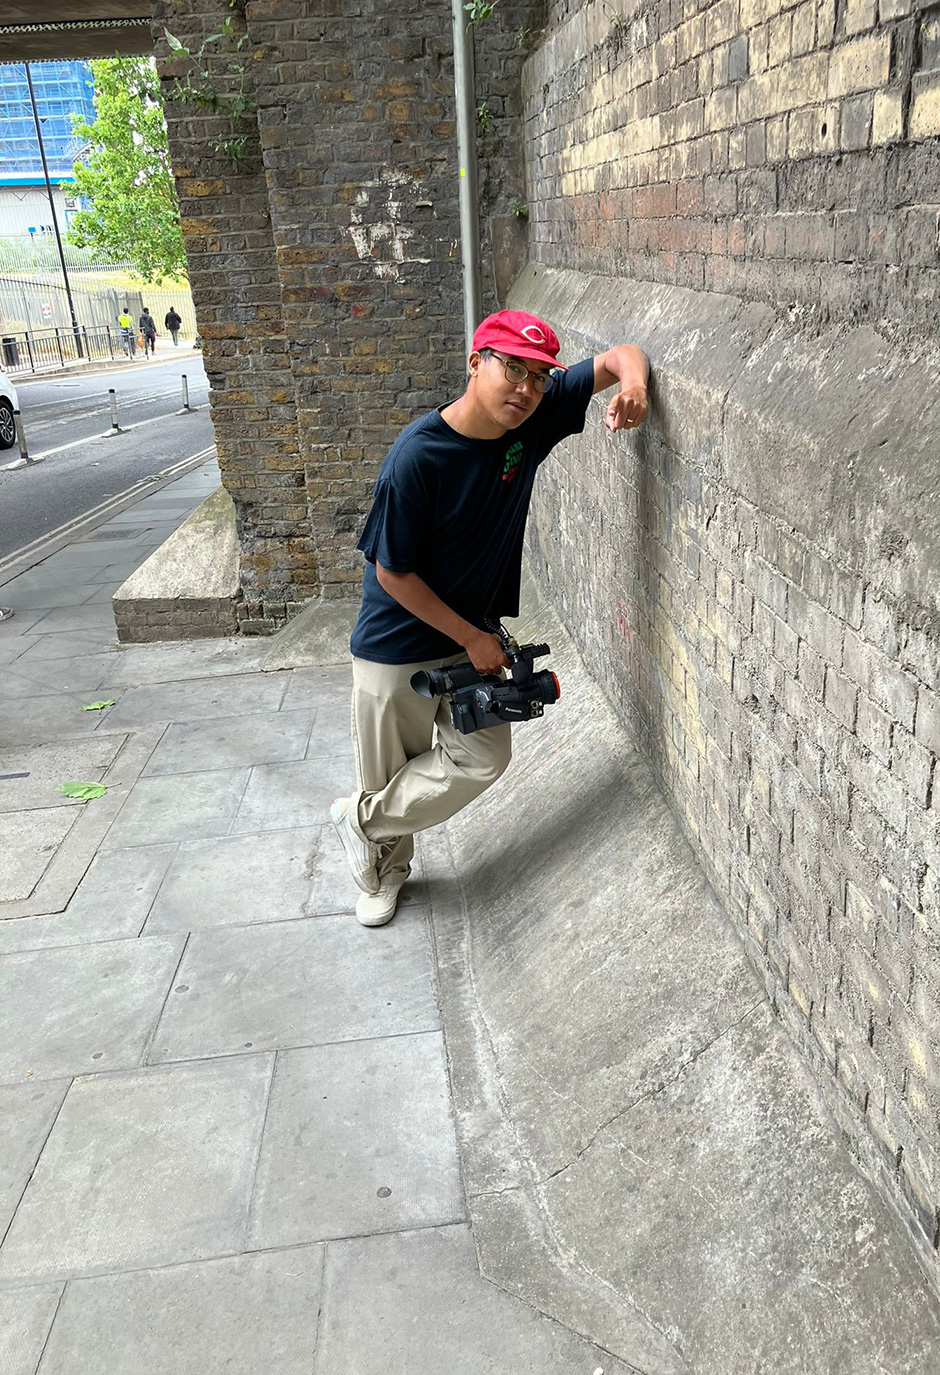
(128, 333)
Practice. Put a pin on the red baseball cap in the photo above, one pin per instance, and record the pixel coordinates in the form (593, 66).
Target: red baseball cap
(519, 333)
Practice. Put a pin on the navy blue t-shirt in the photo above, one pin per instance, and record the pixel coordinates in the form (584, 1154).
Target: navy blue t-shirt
(453, 510)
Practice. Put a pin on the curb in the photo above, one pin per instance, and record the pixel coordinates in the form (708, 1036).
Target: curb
(21, 379)
(31, 554)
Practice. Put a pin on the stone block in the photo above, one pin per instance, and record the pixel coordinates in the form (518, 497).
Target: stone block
(925, 105)
(192, 577)
(861, 65)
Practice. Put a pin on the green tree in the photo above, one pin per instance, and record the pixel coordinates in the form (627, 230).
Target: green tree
(127, 175)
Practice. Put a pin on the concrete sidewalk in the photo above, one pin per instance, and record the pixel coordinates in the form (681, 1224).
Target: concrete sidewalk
(226, 1135)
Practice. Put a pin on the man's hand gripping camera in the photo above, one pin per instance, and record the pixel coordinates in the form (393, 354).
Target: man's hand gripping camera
(479, 700)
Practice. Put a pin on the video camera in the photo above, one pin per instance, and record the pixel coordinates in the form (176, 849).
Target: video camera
(479, 700)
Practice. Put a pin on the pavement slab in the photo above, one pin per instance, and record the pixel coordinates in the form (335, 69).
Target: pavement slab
(68, 619)
(143, 1168)
(179, 807)
(298, 794)
(27, 1112)
(25, 597)
(375, 1116)
(238, 1316)
(46, 766)
(110, 903)
(200, 699)
(45, 647)
(37, 718)
(297, 983)
(331, 888)
(25, 1319)
(414, 1302)
(20, 623)
(329, 689)
(64, 869)
(15, 684)
(266, 738)
(142, 665)
(70, 1009)
(237, 880)
(28, 843)
(79, 674)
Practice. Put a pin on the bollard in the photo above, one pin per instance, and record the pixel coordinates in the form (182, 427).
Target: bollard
(186, 408)
(112, 397)
(21, 441)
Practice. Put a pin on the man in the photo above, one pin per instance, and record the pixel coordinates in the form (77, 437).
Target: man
(128, 338)
(172, 322)
(443, 548)
(148, 330)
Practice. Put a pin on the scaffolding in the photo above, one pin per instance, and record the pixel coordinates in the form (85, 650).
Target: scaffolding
(63, 89)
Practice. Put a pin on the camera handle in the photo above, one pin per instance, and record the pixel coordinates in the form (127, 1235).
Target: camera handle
(519, 666)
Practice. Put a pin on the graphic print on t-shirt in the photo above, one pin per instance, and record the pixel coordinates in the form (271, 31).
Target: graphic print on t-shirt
(513, 459)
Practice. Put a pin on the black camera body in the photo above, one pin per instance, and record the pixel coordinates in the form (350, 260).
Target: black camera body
(480, 700)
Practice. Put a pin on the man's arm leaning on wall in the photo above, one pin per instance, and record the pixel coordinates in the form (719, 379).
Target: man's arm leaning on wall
(629, 366)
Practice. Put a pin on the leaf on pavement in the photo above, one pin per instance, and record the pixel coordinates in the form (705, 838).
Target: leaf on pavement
(84, 791)
(99, 706)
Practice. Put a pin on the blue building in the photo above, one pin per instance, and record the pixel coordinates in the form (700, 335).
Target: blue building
(62, 89)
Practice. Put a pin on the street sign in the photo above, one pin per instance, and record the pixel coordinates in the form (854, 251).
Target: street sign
(45, 310)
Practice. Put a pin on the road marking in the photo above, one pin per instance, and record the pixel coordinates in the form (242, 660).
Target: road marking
(106, 434)
(34, 552)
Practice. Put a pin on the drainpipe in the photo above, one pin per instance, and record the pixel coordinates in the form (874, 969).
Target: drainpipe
(465, 92)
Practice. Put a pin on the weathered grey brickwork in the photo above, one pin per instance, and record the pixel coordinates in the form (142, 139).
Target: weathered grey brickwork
(781, 151)
(749, 190)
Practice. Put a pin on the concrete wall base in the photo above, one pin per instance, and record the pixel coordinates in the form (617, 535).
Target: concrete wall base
(188, 588)
(646, 1157)
(317, 637)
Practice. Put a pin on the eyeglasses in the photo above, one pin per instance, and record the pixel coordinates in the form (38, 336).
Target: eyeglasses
(516, 374)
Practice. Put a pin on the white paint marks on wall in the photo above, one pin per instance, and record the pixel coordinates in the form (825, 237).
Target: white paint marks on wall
(376, 230)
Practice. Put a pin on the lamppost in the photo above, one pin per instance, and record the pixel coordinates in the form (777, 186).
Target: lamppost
(55, 223)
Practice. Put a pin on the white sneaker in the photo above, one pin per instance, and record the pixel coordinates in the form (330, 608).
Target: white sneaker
(375, 909)
(361, 854)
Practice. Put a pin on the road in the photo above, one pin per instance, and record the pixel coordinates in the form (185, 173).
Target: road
(66, 419)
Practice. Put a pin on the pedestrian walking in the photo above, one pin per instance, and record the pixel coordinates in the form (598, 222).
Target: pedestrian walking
(443, 549)
(128, 333)
(172, 322)
(148, 331)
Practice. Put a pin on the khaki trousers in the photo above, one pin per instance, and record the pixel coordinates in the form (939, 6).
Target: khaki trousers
(414, 769)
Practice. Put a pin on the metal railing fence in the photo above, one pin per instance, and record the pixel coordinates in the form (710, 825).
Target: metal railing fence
(32, 305)
(30, 350)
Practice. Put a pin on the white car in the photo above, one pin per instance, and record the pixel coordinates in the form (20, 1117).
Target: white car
(9, 404)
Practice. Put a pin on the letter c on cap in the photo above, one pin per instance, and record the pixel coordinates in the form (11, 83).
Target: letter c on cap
(533, 334)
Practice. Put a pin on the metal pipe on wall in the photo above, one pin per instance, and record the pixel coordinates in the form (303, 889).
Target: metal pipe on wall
(465, 96)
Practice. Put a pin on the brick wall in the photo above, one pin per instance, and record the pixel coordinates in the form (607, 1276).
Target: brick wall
(749, 191)
(781, 151)
(325, 270)
(236, 291)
